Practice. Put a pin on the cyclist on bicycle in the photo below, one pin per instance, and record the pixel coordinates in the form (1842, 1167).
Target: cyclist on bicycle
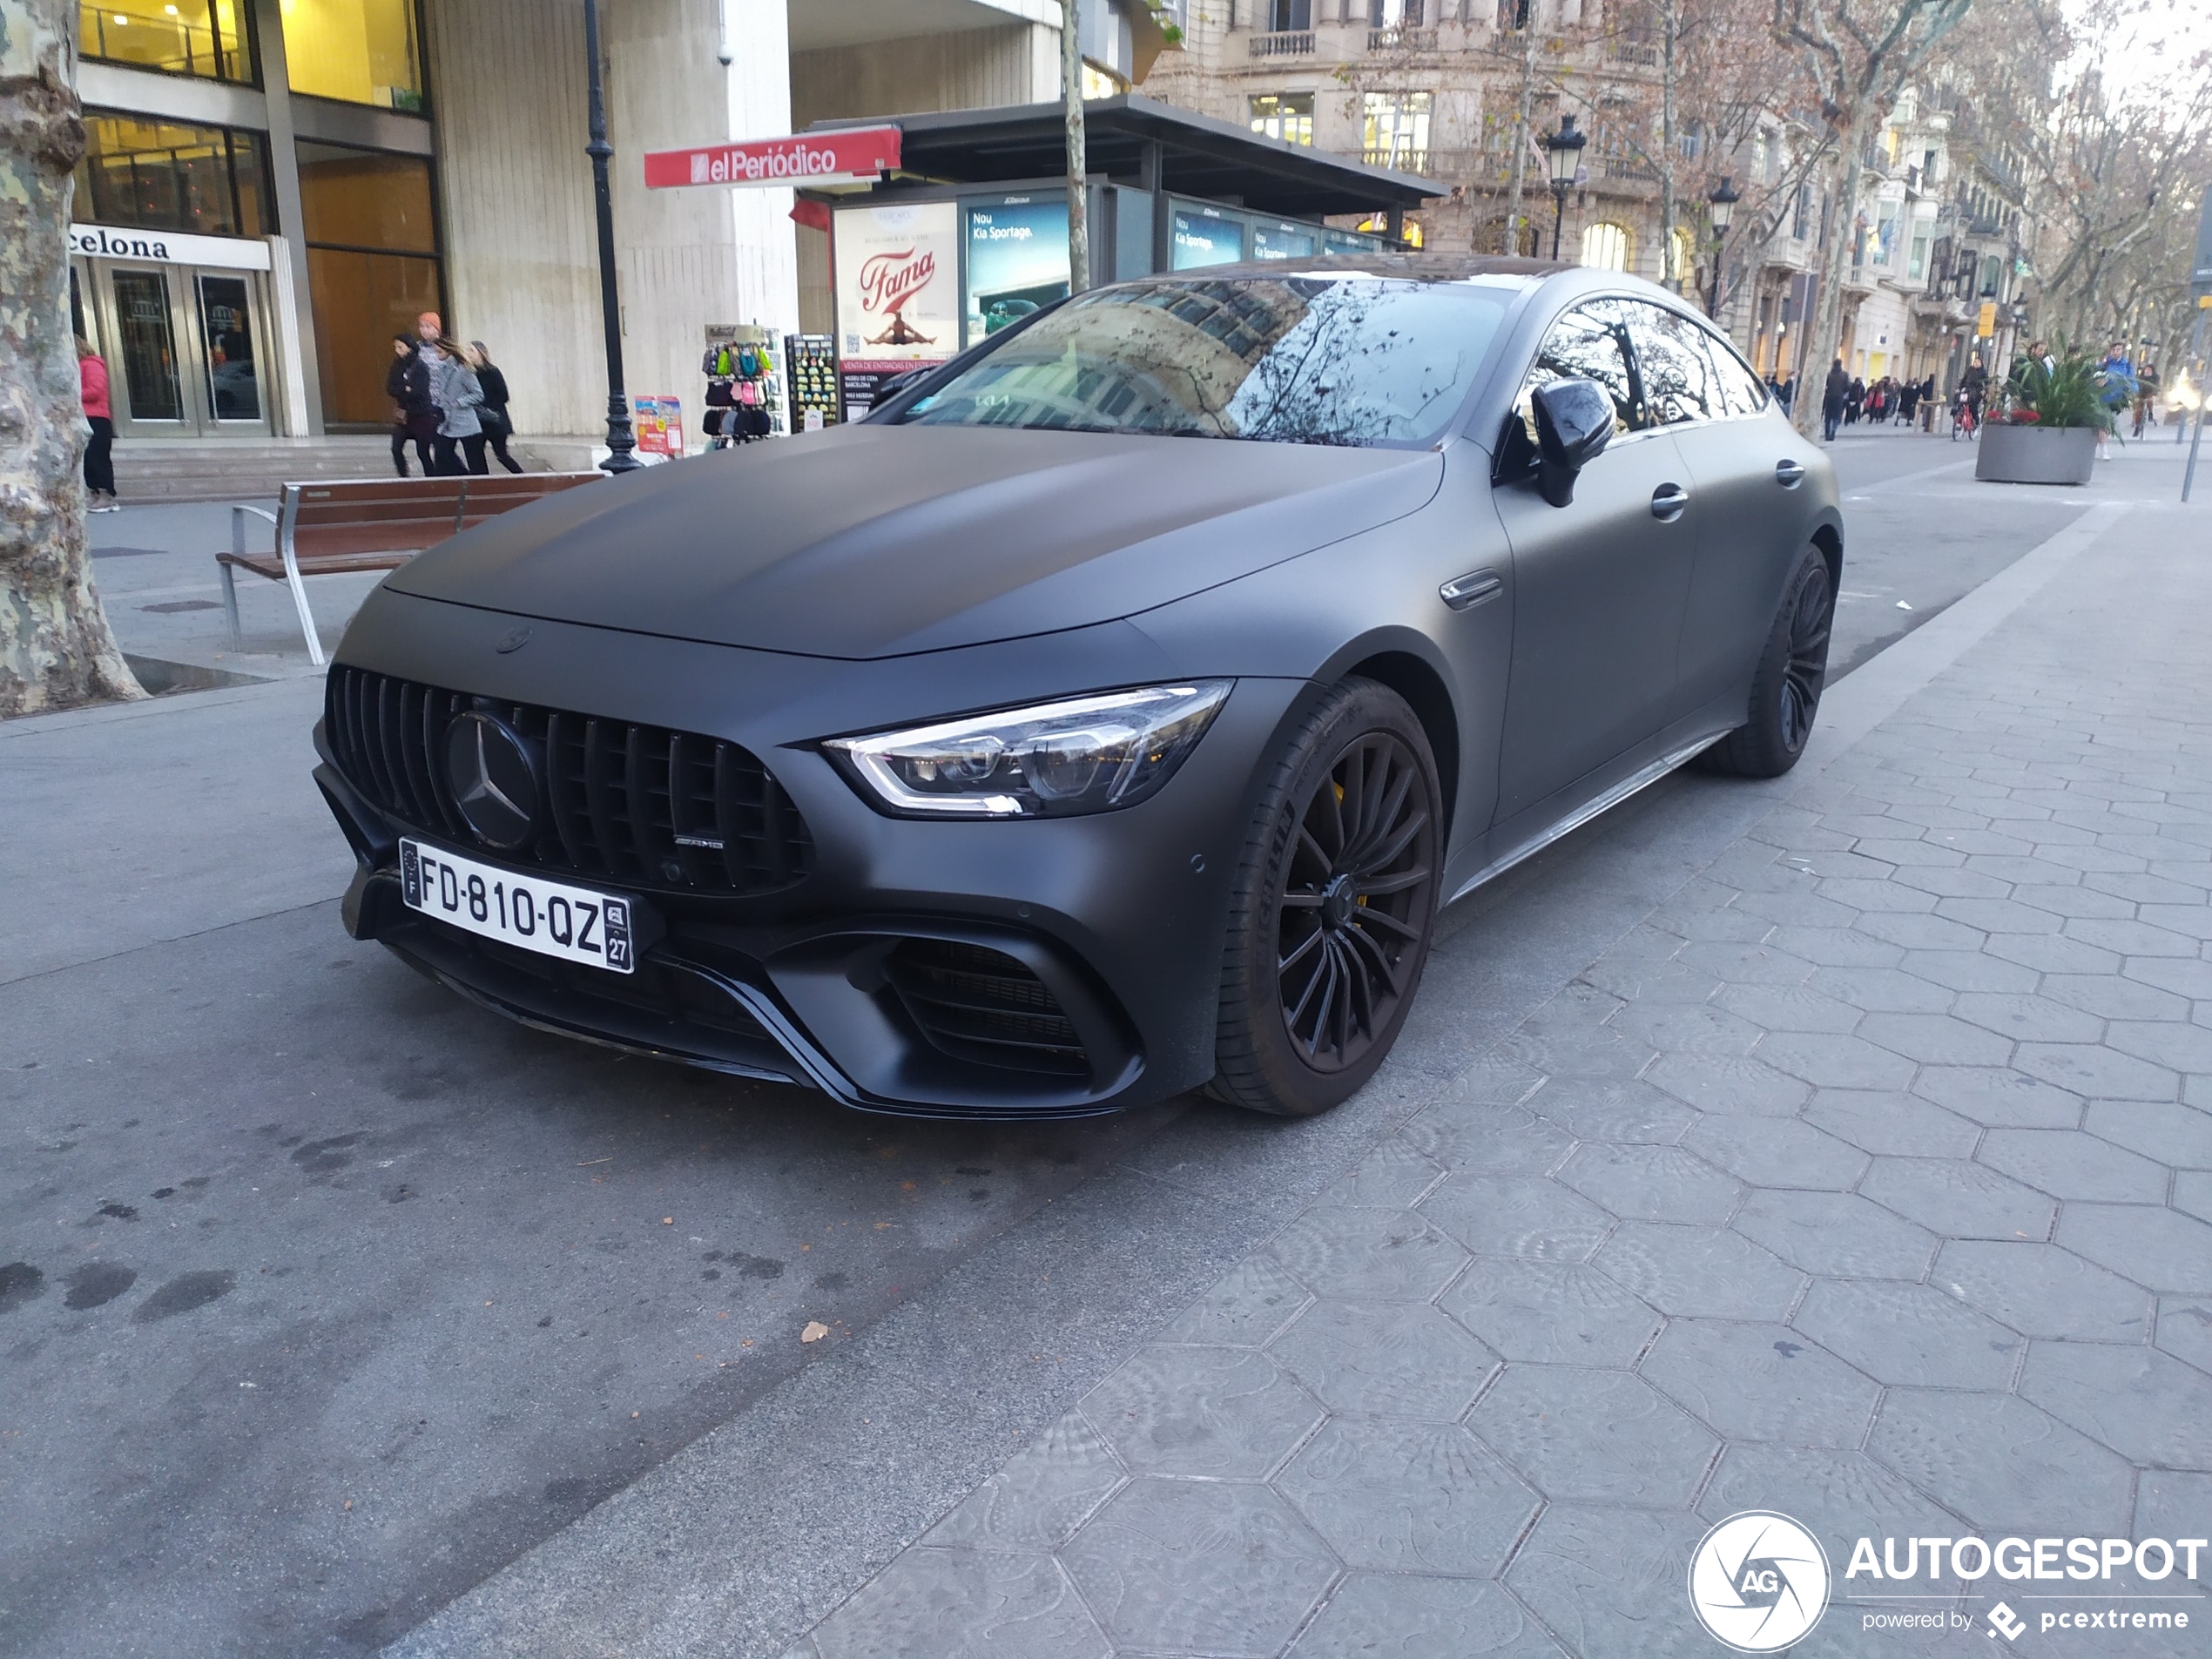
(1973, 384)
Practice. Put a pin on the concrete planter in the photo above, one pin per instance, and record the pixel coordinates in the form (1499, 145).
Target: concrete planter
(2029, 455)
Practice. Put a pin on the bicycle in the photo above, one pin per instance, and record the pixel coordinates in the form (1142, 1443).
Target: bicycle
(1965, 419)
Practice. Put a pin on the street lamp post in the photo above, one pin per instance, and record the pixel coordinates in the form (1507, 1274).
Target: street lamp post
(1563, 151)
(620, 440)
(1720, 201)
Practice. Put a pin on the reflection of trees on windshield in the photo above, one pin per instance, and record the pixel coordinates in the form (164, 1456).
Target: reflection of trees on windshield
(1293, 359)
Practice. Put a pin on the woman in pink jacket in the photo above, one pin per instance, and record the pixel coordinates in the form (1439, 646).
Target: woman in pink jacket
(99, 414)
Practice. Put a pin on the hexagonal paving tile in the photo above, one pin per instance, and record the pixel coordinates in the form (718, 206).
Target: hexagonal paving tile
(1777, 1152)
(1390, 1177)
(1375, 1614)
(1790, 1008)
(1557, 1311)
(1760, 1382)
(1645, 978)
(2147, 1405)
(1907, 1334)
(1700, 1272)
(2002, 1464)
(1887, 1121)
(1593, 1436)
(1508, 1141)
(2044, 1290)
(1725, 1083)
(1227, 1413)
(1040, 1495)
(2052, 954)
(1632, 1112)
(1837, 1495)
(2130, 937)
(2163, 1248)
(1836, 946)
(1353, 1252)
(1921, 932)
(1968, 970)
(2171, 1133)
(1830, 1062)
(1409, 1497)
(1998, 1095)
(1651, 1183)
(1836, 1235)
(1609, 1581)
(2026, 1018)
(1746, 963)
(2163, 1042)
(964, 1601)
(1958, 1199)
(2070, 1163)
(1685, 1028)
(1389, 1359)
(1200, 1565)
(2108, 997)
(1518, 1214)
(2193, 1193)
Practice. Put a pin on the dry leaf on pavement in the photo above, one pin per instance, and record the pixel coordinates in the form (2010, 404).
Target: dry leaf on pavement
(815, 1332)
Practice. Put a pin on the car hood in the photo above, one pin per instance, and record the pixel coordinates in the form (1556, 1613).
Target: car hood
(877, 541)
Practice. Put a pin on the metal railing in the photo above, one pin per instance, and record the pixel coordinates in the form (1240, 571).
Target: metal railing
(1285, 43)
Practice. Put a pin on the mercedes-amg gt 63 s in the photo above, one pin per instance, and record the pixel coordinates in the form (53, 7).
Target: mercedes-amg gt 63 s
(1111, 712)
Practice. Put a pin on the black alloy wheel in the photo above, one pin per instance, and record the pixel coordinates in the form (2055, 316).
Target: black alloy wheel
(1785, 690)
(1334, 906)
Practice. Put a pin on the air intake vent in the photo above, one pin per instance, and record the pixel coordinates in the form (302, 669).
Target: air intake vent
(978, 1004)
(635, 803)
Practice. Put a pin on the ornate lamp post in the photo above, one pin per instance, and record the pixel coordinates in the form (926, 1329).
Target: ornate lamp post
(620, 440)
(1563, 150)
(1720, 201)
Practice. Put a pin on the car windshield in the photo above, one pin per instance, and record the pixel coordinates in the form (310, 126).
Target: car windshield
(1311, 358)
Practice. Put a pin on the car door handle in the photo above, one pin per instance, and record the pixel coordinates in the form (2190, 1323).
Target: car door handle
(1788, 474)
(1470, 589)
(1668, 503)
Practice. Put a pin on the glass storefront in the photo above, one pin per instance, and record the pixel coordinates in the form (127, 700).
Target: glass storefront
(203, 37)
(359, 51)
(140, 173)
(372, 268)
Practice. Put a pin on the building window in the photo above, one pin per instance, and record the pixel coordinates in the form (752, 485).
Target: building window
(1287, 116)
(372, 268)
(1683, 265)
(1801, 214)
(1394, 14)
(1605, 247)
(359, 51)
(202, 37)
(1287, 15)
(1410, 233)
(142, 174)
(1916, 265)
(1395, 129)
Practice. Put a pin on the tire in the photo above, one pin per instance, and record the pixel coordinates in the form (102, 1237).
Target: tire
(1330, 920)
(1786, 691)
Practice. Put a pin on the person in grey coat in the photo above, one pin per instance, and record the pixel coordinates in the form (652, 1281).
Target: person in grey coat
(455, 390)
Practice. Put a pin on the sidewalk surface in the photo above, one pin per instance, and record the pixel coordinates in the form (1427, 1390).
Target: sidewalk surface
(1867, 1180)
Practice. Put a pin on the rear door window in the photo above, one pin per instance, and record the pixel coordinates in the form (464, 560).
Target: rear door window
(1680, 381)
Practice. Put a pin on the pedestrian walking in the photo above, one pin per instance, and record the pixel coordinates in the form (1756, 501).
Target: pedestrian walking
(498, 426)
(1833, 398)
(1908, 401)
(2146, 388)
(1854, 401)
(414, 418)
(99, 416)
(455, 390)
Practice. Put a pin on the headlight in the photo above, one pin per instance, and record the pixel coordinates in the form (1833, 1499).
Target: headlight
(1085, 754)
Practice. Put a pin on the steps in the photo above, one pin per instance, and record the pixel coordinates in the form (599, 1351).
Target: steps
(157, 470)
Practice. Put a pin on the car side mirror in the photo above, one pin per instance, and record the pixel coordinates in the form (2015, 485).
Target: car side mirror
(1573, 423)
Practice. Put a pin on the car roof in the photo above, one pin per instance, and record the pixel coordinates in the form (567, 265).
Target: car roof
(1412, 267)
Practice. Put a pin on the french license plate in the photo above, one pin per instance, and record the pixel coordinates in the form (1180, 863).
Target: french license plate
(573, 924)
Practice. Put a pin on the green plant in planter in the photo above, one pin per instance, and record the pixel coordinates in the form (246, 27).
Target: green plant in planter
(2068, 392)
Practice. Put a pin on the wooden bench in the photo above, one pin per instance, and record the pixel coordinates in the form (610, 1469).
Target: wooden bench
(371, 524)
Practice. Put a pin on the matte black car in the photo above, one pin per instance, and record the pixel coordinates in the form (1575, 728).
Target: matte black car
(1110, 714)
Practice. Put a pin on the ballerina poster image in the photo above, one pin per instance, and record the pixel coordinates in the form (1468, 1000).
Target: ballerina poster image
(898, 293)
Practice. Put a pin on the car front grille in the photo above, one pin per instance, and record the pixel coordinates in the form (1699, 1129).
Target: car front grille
(635, 803)
(975, 1003)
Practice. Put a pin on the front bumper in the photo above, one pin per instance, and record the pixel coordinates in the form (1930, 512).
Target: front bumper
(1108, 926)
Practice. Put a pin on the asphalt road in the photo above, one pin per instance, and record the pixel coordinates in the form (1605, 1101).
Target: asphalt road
(332, 1296)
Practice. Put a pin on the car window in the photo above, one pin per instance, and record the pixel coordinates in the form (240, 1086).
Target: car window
(1679, 381)
(1299, 358)
(1589, 343)
(1742, 392)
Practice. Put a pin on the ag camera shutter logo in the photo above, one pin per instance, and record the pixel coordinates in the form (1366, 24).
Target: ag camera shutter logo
(1758, 1581)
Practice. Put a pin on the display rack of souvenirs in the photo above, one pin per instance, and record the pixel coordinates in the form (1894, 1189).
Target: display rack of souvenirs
(744, 391)
(810, 365)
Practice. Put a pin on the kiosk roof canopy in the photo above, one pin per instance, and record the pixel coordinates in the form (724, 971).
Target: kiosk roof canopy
(1199, 156)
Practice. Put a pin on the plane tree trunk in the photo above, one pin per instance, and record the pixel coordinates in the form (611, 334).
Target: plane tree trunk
(56, 649)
